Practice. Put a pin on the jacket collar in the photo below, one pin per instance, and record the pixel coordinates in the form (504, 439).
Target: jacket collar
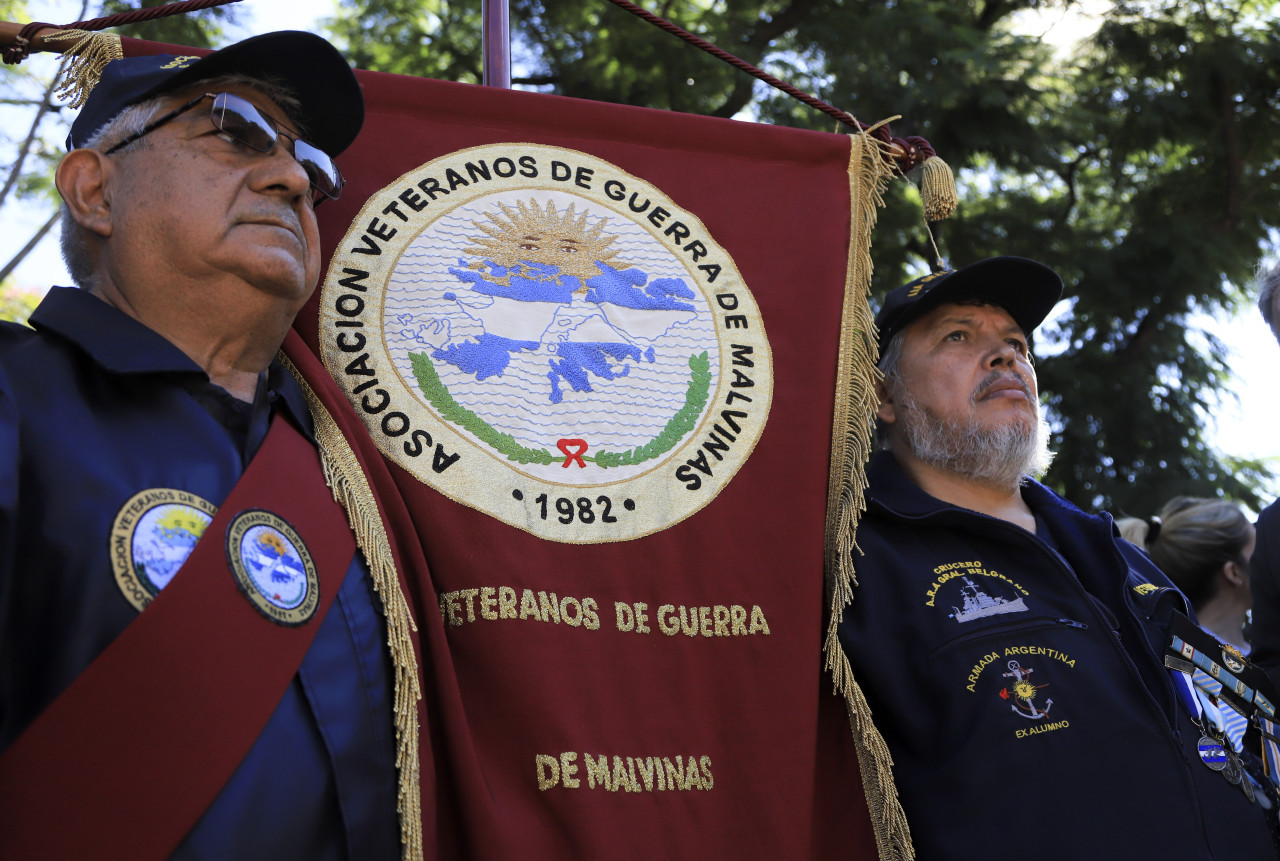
(1090, 542)
(109, 336)
(122, 345)
(889, 487)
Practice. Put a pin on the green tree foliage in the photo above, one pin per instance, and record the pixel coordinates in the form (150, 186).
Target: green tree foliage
(427, 38)
(1165, 210)
(1144, 167)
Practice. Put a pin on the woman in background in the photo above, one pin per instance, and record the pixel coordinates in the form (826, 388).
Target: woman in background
(1204, 546)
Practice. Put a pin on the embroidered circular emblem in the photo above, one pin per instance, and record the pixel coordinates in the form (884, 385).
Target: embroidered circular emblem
(1232, 657)
(153, 534)
(273, 567)
(544, 337)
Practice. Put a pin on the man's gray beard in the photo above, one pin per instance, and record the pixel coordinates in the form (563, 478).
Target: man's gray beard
(992, 456)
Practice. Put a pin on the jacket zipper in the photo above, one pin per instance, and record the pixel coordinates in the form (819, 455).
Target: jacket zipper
(999, 630)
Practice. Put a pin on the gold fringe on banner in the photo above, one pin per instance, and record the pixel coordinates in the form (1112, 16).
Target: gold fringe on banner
(851, 443)
(83, 62)
(351, 489)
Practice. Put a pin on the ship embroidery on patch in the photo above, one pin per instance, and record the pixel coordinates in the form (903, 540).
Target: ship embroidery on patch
(541, 336)
(977, 604)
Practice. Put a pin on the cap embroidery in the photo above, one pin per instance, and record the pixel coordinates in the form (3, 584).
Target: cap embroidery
(915, 291)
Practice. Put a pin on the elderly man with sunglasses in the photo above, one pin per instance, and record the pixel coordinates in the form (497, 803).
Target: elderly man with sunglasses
(166, 535)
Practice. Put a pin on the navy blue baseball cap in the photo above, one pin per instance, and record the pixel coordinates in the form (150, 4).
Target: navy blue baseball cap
(331, 107)
(1026, 289)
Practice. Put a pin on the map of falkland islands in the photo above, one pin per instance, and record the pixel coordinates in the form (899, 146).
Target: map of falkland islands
(539, 339)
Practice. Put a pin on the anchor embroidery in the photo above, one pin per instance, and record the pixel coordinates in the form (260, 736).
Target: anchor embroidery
(1024, 692)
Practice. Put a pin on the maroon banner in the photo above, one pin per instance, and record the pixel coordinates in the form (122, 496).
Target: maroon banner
(596, 346)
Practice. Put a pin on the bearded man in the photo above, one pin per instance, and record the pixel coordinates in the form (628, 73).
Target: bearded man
(1012, 647)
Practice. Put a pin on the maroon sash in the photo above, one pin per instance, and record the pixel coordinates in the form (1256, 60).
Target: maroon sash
(129, 757)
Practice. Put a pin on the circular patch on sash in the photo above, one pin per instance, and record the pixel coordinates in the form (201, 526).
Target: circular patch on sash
(152, 535)
(542, 336)
(272, 567)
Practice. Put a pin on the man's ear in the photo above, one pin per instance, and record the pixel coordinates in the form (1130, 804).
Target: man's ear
(82, 178)
(886, 411)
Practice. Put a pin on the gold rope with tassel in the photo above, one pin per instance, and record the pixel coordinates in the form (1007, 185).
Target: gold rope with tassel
(351, 489)
(851, 443)
(84, 61)
(937, 189)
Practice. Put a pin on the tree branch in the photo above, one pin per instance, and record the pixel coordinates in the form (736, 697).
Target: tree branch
(23, 151)
(1069, 177)
(1231, 150)
(992, 11)
(45, 104)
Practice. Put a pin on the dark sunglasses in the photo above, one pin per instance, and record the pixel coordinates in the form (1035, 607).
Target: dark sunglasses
(239, 120)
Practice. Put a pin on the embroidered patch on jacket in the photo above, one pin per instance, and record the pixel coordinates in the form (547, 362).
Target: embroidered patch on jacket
(1028, 697)
(153, 534)
(1233, 658)
(970, 591)
(273, 567)
(1146, 588)
(1007, 675)
(1023, 695)
(546, 338)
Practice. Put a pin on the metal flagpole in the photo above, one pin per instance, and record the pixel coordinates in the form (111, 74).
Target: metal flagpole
(497, 43)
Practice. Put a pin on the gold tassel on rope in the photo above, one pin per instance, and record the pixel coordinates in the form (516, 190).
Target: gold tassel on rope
(937, 189)
(83, 62)
(851, 443)
(351, 489)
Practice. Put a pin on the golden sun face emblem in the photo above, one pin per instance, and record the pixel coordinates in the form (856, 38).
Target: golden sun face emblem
(532, 234)
(273, 542)
(1024, 691)
(182, 519)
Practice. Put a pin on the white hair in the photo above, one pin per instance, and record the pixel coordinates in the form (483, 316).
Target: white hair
(1268, 284)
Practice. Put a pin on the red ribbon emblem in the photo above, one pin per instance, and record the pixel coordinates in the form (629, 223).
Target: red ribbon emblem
(573, 450)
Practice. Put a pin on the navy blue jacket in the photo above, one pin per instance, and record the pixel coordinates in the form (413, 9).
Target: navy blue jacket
(1264, 582)
(1021, 688)
(94, 408)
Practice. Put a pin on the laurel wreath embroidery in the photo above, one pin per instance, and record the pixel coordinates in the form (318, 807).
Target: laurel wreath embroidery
(684, 420)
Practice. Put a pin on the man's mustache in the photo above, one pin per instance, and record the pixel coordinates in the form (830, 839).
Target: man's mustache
(996, 377)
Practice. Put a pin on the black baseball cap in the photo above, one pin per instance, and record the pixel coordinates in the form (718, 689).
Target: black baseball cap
(331, 106)
(1026, 289)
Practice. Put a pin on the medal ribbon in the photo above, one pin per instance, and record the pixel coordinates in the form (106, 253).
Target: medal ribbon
(1270, 747)
(1226, 720)
(1225, 700)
